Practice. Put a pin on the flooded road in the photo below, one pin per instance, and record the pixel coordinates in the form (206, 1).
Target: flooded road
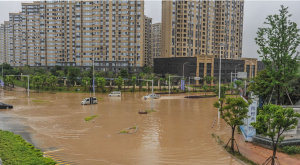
(178, 133)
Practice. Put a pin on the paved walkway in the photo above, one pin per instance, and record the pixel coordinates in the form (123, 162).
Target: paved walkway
(259, 154)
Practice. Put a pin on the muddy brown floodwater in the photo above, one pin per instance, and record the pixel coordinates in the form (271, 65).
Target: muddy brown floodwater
(178, 133)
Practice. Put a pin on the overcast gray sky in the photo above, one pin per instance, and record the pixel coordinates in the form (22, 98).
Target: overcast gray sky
(254, 16)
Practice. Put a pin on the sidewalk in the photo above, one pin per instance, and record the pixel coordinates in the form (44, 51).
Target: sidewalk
(259, 154)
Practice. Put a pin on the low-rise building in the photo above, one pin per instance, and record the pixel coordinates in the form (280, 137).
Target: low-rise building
(203, 65)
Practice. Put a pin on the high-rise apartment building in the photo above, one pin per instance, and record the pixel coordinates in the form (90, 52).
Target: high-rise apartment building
(156, 40)
(5, 41)
(78, 33)
(108, 33)
(31, 34)
(147, 50)
(198, 27)
(15, 20)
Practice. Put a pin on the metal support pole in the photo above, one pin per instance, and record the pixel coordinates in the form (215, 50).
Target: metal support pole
(28, 85)
(231, 77)
(169, 84)
(93, 75)
(152, 96)
(189, 86)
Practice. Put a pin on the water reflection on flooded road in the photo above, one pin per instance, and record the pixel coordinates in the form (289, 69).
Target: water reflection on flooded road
(178, 133)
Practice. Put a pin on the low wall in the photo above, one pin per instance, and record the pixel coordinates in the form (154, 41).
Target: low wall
(267, 142)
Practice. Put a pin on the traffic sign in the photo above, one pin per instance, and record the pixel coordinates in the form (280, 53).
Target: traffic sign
(242, 75)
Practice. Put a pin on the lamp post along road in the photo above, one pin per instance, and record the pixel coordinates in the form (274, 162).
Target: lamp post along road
(221, 44)
(183, 69)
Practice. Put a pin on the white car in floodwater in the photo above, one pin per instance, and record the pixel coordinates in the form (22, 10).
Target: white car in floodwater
(115, 94)
(86, 101)
(154, 96)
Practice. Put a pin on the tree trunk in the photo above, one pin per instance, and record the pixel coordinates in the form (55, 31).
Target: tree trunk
(274, 154)
(232, 140)
(278, 96)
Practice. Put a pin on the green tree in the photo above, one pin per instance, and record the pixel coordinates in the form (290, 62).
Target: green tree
(37, 81)
(273, 121)
(162, 81)
(124, 73)
(222, 97)
(205, 88)
(110, 74)
(119, 82)
(278, 44)
(86, 81)
(43, 80)
(260, 85)
(73, 73)
(234, 114)
(101, 83)
(207, 79)
(133, 82)
(238, 84)
(52, 81)
(148, 70)
(66, 69)
(25, 79)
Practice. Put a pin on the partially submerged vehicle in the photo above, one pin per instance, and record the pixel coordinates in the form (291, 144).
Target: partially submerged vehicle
(87, 101)
(5, 106)
(115, 94)
(154, 96)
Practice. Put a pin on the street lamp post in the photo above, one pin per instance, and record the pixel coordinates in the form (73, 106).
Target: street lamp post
(221, 44)
(235, 69)
(183, 69)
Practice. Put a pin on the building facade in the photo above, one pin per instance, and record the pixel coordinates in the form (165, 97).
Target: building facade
(156, 40)
(78, 33)
(148, 43)
(198, 27)
(203, 65)
(5, 40)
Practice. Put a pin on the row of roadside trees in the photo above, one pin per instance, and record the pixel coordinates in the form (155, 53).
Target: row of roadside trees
(278, 45)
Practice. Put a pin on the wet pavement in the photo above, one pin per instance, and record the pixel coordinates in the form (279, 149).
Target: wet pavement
(178, 133)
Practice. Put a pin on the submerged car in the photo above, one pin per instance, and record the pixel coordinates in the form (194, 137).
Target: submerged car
(154, 96)
(115, 94)
(5, 106)
(87, 101)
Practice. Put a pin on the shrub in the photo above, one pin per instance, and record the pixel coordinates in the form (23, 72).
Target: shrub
(177, 90)
(131, 90)
(291, 150)
(104, 90)
(60, 88)
(144, 89)
(174, 89)
(154, 89)
(76, 90)
(164, 88)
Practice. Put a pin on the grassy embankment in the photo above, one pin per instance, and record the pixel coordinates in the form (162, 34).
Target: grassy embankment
(15, 150)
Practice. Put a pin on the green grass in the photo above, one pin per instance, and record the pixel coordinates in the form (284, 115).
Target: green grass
(123, 132)
(41, 101)
(150, 111)
(90, 117)
(100, 98)
(15, 150)
(134, 127)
